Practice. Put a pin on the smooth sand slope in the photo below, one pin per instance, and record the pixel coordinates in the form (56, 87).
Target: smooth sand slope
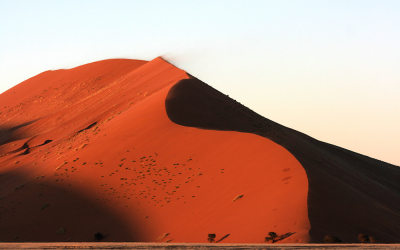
(142, 151)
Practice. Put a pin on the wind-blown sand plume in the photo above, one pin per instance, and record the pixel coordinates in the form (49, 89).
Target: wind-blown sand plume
(142, 151)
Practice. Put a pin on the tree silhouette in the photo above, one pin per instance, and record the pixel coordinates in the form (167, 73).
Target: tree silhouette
(271, 236)
(331, 239)
(211, 238)
(373, 239)
(363, 238)
(98, 236)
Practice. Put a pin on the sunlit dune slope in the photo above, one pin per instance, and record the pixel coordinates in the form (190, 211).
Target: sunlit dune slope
(142, 151)
(92, 149)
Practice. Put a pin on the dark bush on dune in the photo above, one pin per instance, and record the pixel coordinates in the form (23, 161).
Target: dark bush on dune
(373, 239)
(98, 236)
(211, 238)
(271, 236)
(363, 238)
(331, 239)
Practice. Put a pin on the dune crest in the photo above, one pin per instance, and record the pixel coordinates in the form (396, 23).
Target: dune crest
(142, 151)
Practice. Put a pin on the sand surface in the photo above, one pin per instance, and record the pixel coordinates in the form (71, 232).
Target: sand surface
(142, 151)
(161, 246)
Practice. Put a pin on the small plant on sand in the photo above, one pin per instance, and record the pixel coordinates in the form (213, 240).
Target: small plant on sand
(363, 238)
(331, 239)
(98, 236)
(271, 236)
(211, 238)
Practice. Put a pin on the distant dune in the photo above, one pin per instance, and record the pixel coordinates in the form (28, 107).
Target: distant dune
(142, 151)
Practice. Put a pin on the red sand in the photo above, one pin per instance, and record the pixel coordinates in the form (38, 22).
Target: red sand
(181, 246)
(142, 151)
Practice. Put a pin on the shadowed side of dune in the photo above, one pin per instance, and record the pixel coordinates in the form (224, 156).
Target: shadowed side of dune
(348, 194)
(192, 103)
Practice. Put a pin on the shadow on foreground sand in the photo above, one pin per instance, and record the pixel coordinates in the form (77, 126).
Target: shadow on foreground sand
(55, 210)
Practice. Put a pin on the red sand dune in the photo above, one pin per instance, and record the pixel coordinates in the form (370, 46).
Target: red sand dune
(142, 151)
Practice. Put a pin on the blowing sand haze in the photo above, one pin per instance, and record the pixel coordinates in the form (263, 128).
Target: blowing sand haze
(143, 151)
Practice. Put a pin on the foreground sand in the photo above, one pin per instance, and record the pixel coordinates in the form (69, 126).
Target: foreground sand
(128, 245)
(142, 151)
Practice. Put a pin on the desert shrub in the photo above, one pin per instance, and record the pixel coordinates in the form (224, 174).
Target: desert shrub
(211, 238)
(331, 239)
(271, 236)
(363, 238)
(98, 236)
(373, 239)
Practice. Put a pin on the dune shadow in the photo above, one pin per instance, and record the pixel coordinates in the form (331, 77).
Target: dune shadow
(223, 238)
(43, 210)
(10, 134)
(284, 236)
(26, 147)
(88, 127)
(331, 171)
(49, 209)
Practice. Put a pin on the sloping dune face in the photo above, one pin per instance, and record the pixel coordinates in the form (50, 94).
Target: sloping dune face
(142, 151)
(93, 149)
(348, 193)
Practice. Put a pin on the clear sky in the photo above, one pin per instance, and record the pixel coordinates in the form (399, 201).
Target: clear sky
(330, 69)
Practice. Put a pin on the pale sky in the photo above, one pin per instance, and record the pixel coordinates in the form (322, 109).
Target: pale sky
(329, 69)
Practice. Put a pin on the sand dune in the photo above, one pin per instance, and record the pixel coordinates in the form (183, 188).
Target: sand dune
(142, 151)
